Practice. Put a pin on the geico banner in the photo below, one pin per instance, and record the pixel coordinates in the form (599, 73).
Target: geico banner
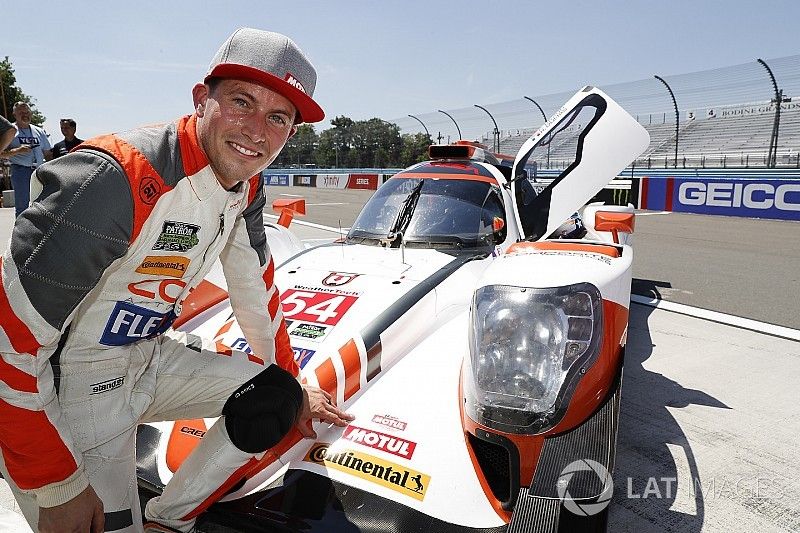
(778, 199)
(362, 181)
(304, 180)
(276, 179)
(331, 181)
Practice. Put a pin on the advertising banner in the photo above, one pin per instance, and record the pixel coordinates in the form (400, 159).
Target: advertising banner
(331, 181)
(363, 181)
(305, 180)
(276, 179)
(752, 198)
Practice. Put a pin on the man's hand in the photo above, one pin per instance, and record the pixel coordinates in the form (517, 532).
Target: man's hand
(82, 514)
(319, 404)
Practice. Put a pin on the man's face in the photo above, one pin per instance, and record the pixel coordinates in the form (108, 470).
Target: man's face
(22, 114)
(241, 127)
(67, 130)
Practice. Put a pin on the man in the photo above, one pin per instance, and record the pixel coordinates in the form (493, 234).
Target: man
(7, 133)
(90, 287)
(68, 128)
(29, 149)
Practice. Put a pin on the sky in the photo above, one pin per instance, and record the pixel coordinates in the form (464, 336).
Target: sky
(112, 65)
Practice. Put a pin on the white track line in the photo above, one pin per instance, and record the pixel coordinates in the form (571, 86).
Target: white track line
(722, 318)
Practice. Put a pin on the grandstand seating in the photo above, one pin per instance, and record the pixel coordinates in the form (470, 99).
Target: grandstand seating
(730, 139)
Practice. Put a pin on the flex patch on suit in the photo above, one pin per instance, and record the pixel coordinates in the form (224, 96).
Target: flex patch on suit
(129, 323)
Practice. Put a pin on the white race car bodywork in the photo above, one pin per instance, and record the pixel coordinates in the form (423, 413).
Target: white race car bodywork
(384, 329)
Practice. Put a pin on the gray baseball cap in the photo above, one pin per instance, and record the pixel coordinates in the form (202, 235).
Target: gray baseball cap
(272, 60)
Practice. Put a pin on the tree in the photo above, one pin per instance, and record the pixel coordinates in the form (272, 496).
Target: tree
(11, 94)
(299, 149)
(415, 148)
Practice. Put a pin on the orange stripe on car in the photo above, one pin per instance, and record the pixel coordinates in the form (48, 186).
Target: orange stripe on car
(326, 377)
(352, 368)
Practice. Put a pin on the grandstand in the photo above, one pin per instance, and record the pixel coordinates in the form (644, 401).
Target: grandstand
(733, 137)
(726, 119)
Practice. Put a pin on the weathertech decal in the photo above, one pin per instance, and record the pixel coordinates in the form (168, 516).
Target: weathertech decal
(380, 441)
(337, 279)
(173, 266)
(312, 306)
(389, 421)
(177, 236)
(105, 386)
(386, 473)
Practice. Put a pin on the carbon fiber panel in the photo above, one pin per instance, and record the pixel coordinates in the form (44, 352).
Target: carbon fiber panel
(594, 440)
(535, 515)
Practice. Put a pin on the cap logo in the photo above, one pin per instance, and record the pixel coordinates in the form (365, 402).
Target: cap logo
(291, 80)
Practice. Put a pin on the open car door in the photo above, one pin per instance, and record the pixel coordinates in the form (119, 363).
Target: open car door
(595, 138)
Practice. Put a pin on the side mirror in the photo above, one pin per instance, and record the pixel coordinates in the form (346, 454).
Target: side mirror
(614, 222)
(287, 208)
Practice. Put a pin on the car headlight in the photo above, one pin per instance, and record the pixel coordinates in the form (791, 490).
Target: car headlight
(528, 349)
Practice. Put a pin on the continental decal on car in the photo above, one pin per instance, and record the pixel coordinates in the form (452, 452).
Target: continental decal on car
(173, 266)
(370, 468)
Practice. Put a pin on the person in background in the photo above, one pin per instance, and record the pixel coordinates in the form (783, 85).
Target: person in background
(7, 133)
(68, 128)
(29, 148)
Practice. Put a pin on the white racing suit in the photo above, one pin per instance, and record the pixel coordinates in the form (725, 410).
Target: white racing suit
(96, 271)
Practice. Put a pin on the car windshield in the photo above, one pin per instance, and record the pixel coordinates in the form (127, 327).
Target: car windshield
(431, 212)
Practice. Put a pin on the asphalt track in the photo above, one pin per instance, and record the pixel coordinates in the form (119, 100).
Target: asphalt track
(708, 425)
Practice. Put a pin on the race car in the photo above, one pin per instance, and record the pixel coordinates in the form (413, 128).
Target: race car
(481, 358)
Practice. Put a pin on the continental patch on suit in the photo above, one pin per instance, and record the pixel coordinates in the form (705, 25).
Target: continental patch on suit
(177, 236)
(173, 266)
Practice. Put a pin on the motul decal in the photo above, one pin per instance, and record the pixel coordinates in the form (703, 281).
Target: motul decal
(337, 279)
(380, 441)
(370, 468)
(389, 421)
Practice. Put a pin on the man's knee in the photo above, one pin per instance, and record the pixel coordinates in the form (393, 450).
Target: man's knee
(263, 410)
